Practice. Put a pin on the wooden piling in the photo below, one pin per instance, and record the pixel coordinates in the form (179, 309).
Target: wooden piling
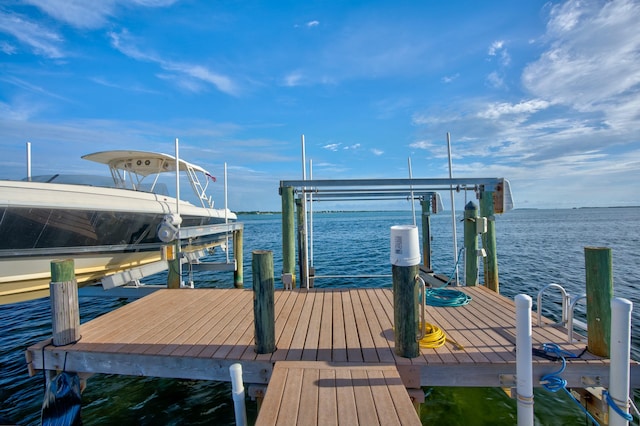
(238, 275)
(470, 244)
(405, 310)
(491, 279)
(65, 310)
(426, 233)
(263, 301)
(174, 276)
(599, 281)
(288, 234)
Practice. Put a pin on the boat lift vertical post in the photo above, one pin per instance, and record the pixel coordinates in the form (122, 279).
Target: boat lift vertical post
(176, 264)
(413, 207)
(524, 366)
(29, 161)
(311, 270)
(305, 250)
(453, 213)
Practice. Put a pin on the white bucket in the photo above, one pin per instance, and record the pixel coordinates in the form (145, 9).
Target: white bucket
(405, 245)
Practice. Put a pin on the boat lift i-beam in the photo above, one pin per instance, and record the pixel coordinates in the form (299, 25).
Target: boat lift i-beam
(375, 189)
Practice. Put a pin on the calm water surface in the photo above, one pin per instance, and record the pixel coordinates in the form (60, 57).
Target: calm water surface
(535, 247)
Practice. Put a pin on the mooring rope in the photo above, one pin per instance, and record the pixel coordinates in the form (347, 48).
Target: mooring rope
(553, 382)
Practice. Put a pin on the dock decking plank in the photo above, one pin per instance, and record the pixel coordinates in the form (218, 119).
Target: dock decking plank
(203, 331)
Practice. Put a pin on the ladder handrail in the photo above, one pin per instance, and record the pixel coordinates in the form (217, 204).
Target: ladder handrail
(565, 302)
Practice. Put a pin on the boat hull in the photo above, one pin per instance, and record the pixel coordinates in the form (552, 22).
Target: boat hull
(104, 230)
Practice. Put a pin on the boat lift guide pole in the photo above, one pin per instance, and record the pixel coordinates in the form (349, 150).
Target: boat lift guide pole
(524, 366)
(453, 213)
(426, 233)
(29, 161)
(304, 259)
(174, 277)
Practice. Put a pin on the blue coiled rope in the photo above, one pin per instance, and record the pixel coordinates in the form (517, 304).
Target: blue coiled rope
(553, 382)
(445, 297)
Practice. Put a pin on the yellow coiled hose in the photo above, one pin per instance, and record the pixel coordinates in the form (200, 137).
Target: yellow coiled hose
(434, 337)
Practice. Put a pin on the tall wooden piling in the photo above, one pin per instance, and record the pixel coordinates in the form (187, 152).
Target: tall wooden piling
(470, 244)
(238, 275)
(491, 280)
(65, 310)
(288, 234)
(599, 280)
(426, 233)
(263, 301)
(405, 310)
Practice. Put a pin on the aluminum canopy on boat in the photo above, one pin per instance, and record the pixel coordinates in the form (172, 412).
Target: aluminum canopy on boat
(142, 163)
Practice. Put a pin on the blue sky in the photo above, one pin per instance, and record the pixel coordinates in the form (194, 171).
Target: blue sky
(545, 94)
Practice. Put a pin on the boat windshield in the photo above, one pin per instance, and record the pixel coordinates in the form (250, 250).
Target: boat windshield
(92, 180)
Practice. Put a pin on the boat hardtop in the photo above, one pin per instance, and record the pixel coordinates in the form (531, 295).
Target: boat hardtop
(130, 168)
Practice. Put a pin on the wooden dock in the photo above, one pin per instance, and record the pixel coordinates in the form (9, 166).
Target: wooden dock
(199, 333)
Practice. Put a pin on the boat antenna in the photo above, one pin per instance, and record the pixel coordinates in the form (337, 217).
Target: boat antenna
(413, 207)
(453, 212)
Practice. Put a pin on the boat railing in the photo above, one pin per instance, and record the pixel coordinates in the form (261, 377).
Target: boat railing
(198, 188)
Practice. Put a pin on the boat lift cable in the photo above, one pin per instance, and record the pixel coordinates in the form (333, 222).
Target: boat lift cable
(554, 383)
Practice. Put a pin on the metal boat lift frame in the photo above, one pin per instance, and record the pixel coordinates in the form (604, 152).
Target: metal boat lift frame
(300, 192)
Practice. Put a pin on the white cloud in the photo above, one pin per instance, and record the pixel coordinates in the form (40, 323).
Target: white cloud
(312, 24)
(592, 62)
(450, 78)
(90, 14)
(293, 79)
(495, 46)
(188, 76)
(7, 48)
(40, 39)
(496, 110)
(495, 80)
(332, 146)
(377, 152)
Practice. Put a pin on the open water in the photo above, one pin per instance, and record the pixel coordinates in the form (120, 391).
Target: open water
(535, 247)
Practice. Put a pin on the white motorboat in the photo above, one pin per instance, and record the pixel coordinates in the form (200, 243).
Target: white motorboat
(104, 229)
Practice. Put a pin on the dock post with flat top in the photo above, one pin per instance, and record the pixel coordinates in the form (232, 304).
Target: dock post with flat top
(599, 279)
(238, 275)
(263, 301)
(470, 244)
(288, 235)
(491, 279)
(405, 310)
(65, 310)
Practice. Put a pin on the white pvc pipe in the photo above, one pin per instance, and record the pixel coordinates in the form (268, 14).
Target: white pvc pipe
(237, 391)
(620, 358)
(524, 366)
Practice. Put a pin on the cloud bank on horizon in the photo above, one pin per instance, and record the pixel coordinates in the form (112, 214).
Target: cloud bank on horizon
(545, 95)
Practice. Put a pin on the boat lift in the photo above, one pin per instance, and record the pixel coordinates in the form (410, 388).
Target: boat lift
(301, 192)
